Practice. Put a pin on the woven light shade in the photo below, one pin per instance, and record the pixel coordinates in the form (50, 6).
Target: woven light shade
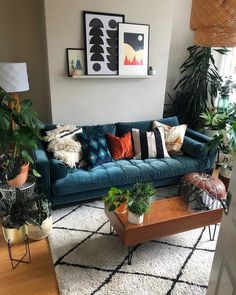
(214, 22)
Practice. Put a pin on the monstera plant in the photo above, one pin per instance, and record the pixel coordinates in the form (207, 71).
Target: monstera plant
(19, 133)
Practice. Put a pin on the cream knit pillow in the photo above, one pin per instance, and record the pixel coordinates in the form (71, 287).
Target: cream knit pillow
(174, 136)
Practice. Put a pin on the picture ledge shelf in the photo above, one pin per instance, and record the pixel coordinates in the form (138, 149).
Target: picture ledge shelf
(113, 76)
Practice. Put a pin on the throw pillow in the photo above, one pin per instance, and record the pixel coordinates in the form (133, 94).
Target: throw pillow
(174, 136)
(120, 147)
(63, 145)
(95, 149)
(149, 144)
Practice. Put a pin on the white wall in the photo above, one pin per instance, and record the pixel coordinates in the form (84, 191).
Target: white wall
(91, 101)
(22, 39)
(181, 39)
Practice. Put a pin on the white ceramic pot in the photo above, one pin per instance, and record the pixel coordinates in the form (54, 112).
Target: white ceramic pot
(40, 232)
(226, 173)
(210, 132)
(135, 219)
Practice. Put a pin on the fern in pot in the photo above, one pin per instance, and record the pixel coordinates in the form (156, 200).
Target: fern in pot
(139, 202)
(19, 133)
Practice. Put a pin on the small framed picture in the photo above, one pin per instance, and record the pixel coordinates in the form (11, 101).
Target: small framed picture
(133, 49)
(75, 61)
(101, 42)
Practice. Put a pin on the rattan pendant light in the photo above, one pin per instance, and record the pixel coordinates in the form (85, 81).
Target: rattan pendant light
(214, 22)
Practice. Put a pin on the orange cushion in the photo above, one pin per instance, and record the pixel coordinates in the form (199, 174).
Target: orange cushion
(120, 147)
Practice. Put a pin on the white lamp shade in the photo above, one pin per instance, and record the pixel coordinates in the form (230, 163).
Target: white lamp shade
(13, 77)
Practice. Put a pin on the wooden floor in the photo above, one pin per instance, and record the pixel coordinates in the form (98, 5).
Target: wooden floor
(36, 278)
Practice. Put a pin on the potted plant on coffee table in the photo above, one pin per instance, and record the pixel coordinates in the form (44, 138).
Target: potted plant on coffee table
(139, 202)
(17, 210)
(19, 133)
(116, 200)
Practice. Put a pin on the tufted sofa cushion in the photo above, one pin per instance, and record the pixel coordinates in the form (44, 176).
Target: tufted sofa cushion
(125, 172)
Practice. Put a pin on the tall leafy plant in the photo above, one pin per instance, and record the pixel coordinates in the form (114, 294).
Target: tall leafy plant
(19, 132)
(200, 82)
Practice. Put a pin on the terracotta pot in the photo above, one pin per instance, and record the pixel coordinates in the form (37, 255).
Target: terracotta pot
(121, 209)
(15, 235)
(135, 219)
(40, 232)
(21, 178)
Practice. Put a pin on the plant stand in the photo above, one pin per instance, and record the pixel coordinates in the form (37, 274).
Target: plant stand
(15, 262)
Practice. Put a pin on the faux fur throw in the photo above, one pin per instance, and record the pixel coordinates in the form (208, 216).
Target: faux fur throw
(63, 146)
(62, 131)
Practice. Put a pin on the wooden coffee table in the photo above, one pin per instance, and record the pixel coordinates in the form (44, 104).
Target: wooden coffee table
(166, 217)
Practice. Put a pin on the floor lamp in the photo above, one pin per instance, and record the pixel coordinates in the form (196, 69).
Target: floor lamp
(14, 79)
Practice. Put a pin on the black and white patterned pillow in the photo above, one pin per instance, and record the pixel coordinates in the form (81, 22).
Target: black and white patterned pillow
(149, 144)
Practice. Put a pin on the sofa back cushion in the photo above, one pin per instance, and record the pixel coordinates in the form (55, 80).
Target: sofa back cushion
(124, 127)
(99, 129)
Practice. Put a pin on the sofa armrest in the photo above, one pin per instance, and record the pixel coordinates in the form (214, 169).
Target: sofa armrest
(42, 166)
(197, 135)
(202, 138)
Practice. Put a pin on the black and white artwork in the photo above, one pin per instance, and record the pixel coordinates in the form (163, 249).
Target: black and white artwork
(101, 42)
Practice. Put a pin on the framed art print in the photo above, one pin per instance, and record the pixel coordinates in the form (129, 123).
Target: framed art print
(101, 42)
(75, 61)
(133, 49)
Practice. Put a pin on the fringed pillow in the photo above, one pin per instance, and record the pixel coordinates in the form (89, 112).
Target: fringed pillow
(63, 145)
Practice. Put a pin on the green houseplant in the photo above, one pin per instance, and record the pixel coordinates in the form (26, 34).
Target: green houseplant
(43, 218)
(199, 82)
(139, 202)
(225, 90)
(116, 200)
(213, 121)
(19, 132)
(17, 210)
(225, 139)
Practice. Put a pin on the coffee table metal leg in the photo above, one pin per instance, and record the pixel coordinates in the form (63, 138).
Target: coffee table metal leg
(130, 254)
(212, 237)
(111, 229)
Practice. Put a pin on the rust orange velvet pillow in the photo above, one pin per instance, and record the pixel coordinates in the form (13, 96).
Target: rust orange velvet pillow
(120, 147)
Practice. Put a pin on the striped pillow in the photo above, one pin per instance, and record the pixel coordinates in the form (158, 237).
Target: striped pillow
(149, 144)
(174, 136)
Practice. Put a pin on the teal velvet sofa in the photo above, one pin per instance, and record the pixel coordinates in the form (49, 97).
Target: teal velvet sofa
(64, 185)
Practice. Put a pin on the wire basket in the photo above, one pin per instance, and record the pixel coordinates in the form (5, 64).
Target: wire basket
(214, 22)
(27, 188)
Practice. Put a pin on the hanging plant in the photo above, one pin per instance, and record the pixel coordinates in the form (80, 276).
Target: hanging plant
(200, 82)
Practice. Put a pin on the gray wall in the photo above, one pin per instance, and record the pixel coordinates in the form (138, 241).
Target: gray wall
(181, 39)
(91, 101)
(22, 39)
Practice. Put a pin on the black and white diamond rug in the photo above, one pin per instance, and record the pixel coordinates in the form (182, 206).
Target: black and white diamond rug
(89, 260)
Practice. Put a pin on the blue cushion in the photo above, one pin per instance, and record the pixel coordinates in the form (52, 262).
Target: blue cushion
(125, 172)
(124, 127)
(95, 149)
(58, 169)
(194, 148)
(100, 129)
(171, 121)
